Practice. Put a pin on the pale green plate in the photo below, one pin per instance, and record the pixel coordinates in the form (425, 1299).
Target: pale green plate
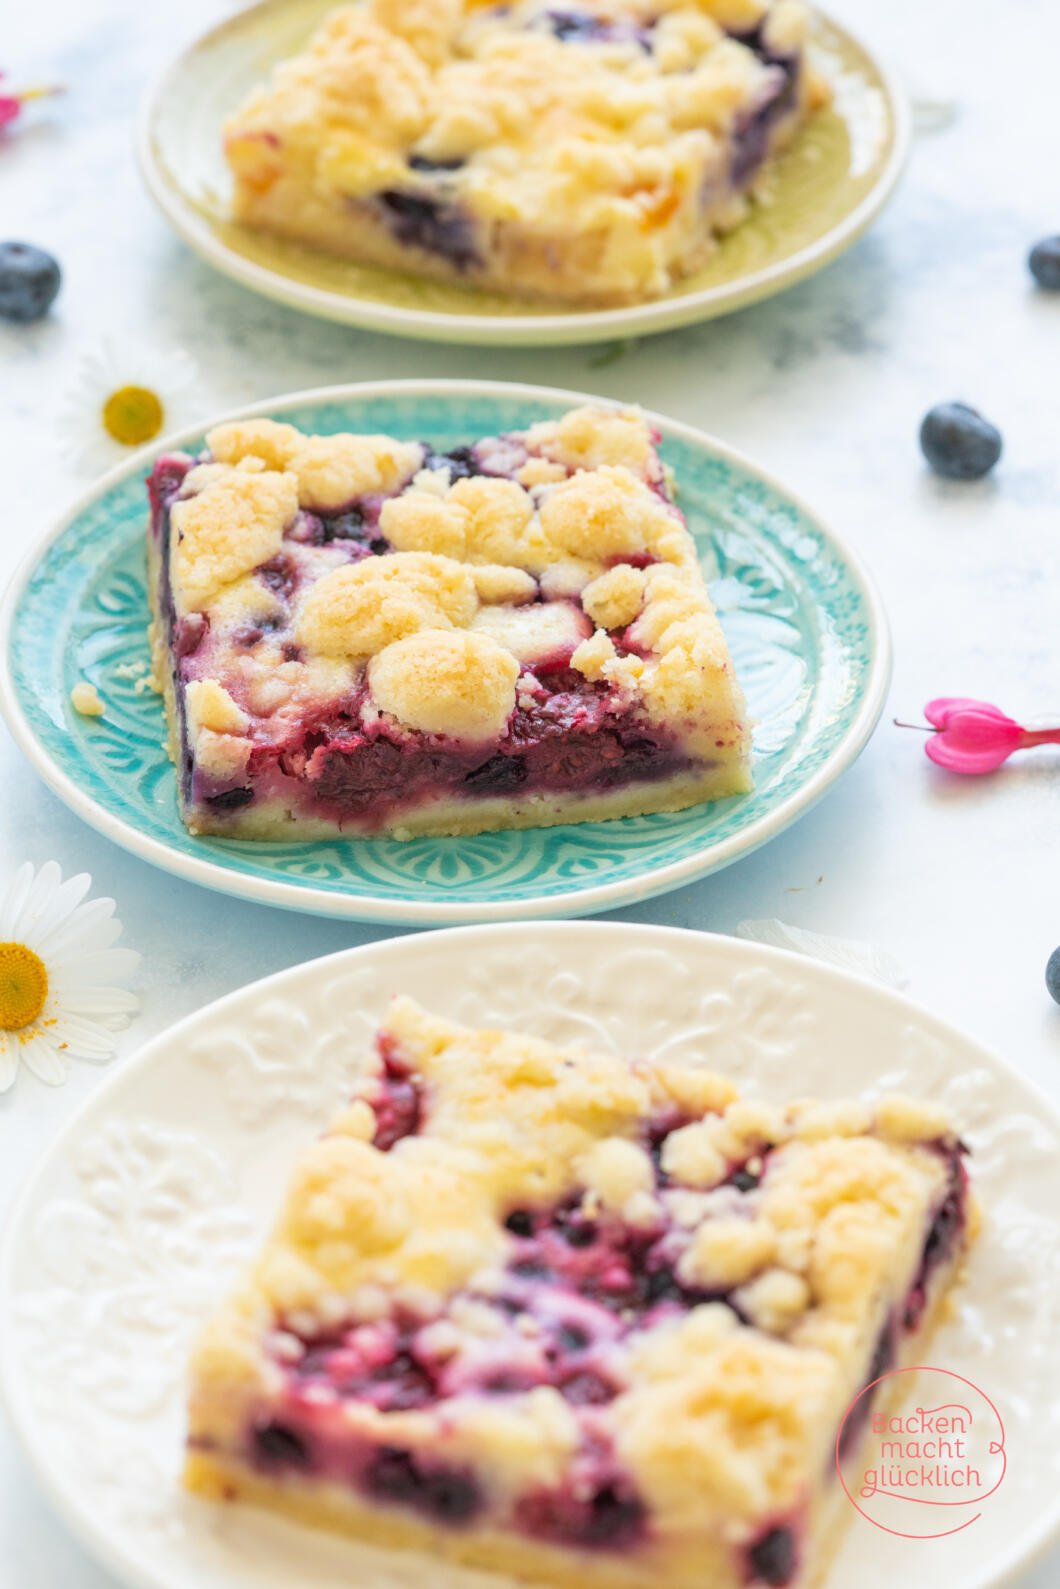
(820, 196)
(805, 628)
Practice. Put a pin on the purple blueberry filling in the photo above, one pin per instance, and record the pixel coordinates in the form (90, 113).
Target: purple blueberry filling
(230, 799)
(163, 485)
(752, 140)
(625, 1271)
(579, 27)
(354, 530)
(394, 1367)
(164, 482)
(461, 462)
(380, 1364)
(279, 575)
(430, 222)
(883, 1357)
(499, 775)
(944, 1233)
(947, 1227)
(446, 1495)
(278, 1445)
(422, 162)
(609, 1517)
(397, 1101)
(189, 633)
(563, 741)
(574, 1286)
(773, 1560)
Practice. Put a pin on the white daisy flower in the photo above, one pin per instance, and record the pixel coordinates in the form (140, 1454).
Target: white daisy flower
(123, 397)
(60, 997)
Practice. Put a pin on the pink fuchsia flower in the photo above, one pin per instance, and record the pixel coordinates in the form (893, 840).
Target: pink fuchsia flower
(975, 737)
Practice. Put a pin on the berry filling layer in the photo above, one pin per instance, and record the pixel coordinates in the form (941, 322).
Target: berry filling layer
(339, 759)
(577, 1289)
(778, 100)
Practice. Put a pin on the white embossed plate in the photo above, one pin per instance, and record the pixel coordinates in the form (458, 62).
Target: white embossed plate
(133, 1226)
(805, 627)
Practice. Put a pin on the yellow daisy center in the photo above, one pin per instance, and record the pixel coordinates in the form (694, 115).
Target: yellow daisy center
(23, 986)
(133, 415)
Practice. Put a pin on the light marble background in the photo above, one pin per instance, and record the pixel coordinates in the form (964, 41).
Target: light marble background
(825, 385)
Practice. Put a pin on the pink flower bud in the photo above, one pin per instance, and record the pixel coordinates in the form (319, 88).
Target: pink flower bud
(973, 736)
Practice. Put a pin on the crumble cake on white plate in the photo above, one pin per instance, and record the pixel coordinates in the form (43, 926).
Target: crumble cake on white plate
(577, 1320)
(587, 153)
(359, 635)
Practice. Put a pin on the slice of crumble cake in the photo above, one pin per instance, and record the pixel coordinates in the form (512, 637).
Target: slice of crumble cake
(574, 1319)
(361, 635)
(589, 153)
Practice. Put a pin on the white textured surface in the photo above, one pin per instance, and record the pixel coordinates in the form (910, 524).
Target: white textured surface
(133, 1228)
(826, 385)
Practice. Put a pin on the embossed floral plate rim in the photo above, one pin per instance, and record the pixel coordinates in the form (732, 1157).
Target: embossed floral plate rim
(133, 1225)
(197, 211)
(851, 668)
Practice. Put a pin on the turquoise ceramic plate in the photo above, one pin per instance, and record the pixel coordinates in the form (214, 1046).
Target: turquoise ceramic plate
(805, 627)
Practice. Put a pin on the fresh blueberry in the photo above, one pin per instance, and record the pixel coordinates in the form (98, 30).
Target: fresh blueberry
(958, 442)
(1044, 261)
(29, 282)
(1052, 975)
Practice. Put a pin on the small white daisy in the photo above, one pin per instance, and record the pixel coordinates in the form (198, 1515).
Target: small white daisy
(123, 397)
(60, 997)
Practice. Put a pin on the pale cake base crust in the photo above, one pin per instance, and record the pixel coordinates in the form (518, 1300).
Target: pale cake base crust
(542, 266)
